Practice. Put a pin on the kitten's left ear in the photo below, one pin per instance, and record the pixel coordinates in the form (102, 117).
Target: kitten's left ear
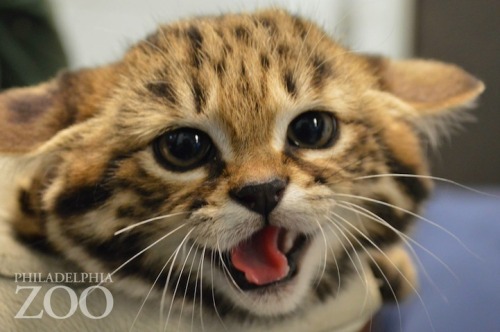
(429, 86)
(31, 116)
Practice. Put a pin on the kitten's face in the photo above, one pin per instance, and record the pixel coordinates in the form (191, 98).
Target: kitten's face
(250, 135)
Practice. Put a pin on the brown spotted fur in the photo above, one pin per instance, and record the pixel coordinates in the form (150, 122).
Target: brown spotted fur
(240, 78)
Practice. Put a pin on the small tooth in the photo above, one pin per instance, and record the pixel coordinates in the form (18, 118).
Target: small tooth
(288, 241)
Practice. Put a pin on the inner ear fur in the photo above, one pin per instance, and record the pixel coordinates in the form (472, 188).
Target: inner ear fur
(430, 87)
(31, 116)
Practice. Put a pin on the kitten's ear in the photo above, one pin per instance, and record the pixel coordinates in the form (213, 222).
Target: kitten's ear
(430, 87)
(31, 116)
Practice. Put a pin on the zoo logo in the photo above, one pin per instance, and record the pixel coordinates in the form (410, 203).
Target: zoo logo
(75, 302)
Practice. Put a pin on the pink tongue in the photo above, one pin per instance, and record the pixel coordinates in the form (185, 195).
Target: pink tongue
(260, 259)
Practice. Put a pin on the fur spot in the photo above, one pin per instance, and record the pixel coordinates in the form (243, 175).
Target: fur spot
(241, 33)
(299, 26)
(29, 108)
(322, 70)
(163, 90)
(153, 40)
(283, 50)
(269, 24)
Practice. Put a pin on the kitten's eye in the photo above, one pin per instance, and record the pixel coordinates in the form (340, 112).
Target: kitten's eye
(182, 149)
(312, 130)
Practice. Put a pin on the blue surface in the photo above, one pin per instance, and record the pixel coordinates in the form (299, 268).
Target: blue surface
(470, 300)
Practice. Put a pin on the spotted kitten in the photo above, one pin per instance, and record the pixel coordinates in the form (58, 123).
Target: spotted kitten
(250, 166)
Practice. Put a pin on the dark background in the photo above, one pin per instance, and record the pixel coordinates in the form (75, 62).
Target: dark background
(467, 33)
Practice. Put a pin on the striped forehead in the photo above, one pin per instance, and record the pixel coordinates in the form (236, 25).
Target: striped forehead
(240, 72)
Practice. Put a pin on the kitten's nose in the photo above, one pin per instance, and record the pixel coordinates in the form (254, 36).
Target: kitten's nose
(262, 197)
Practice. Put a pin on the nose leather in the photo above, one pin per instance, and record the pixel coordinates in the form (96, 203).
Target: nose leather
(261, 197)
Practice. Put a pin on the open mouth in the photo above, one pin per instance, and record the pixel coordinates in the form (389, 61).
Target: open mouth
(269, 257)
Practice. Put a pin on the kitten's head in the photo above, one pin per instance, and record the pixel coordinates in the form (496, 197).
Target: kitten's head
(258, 150)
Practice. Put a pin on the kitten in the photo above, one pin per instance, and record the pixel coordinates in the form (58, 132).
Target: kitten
(251, 160)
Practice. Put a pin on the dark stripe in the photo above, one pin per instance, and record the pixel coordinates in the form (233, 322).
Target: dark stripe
(220, 68)
(390, 289)
(316, 172)
(197, 204)
(25, 203)
(131, 212)
(243, 69)
(82, 199)
(114, 251)
(196, 40)
(398, 220)
(322, 71)
(26, 108)
(117, 250)
(150, 199)
(264, 61)
(216, 167)
(198, 95)
(414, 187)
(163, 90)
(290, 85)
(328, 286)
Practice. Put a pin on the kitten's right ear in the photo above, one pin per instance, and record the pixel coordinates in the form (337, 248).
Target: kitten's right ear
(31, 116)
(430, 87)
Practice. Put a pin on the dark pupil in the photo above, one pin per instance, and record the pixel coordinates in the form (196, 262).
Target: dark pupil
(308, 129)
(184, 145)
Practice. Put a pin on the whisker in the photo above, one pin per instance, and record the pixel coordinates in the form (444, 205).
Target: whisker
(417, 293)
(213, 291)
(335, 258)
(302, 47)
(378, 268)
(169, 275)
(187, 286)
(198, 275)
(436, 178)
(226, 269)
(404, 237)
(364, 280)
(179, 277)
(414, 215)
(326, 252)
(140, 223)
(360, 274)
(150, 290)
(201, 288)
(145, 249)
